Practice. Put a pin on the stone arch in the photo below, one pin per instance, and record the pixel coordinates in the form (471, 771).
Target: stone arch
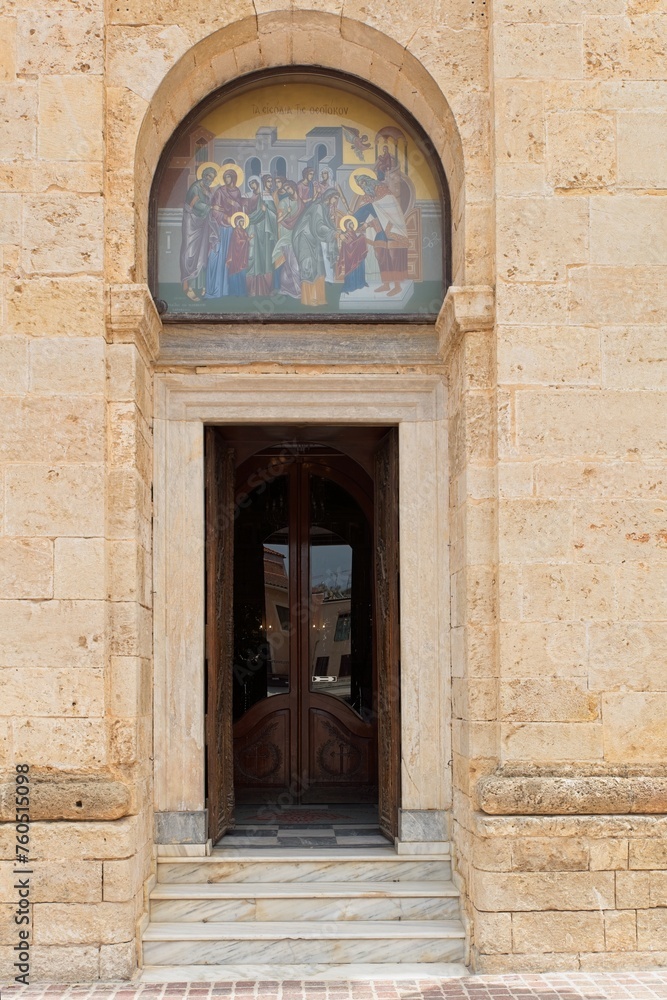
(287, 38)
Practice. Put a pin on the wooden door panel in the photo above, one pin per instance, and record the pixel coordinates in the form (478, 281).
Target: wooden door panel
(387, 631)
(262, 751)
(219, 484)
(338, 755)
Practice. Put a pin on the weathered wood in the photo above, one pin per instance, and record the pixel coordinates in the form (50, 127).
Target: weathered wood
(219, 631)
(387, 630)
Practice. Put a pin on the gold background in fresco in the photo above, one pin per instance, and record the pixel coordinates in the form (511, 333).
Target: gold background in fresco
(238, 118)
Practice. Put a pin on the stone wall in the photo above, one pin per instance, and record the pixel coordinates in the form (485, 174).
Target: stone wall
(551, 126)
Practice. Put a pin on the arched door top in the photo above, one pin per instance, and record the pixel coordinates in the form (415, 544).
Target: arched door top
(345, 216)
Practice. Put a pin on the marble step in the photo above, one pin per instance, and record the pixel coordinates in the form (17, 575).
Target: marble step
(376, 864)
(203, 902)
(300, 973)
(300, 942)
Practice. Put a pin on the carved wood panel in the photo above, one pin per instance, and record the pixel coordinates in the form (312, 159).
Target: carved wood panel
(387, 630)
(220, 473)
(261, 752)
(338, 756)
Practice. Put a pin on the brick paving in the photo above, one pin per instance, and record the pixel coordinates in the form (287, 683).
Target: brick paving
(553, 986)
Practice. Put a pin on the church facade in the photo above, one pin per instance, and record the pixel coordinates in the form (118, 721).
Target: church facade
(334, 477)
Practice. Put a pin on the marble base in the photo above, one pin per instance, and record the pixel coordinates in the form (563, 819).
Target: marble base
(184, 850)
(356, 972)
(423, 825)
(368, 300)
(431, 849)
(181, 827)
(301, 869)
(303, 901)
(298, 941)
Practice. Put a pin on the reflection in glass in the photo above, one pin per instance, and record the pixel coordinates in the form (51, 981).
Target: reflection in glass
(261, 597)
(330, 600)
(276, 612)
(340, 654)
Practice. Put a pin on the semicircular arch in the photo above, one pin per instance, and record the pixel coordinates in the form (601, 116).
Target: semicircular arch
(255, 44)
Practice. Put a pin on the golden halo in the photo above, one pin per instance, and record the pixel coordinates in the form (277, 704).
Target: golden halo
(213, 166)
(354, 184)
(344, 220)
(239, 215)
(234, 167)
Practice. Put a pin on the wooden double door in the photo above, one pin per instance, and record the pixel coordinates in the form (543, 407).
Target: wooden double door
(302, 620)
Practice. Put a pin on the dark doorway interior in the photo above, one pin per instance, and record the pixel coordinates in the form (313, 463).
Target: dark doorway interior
(302, 580)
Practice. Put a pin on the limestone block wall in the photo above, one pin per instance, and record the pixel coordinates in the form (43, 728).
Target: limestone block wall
(550, 121)
(75, 632)
(578, 725)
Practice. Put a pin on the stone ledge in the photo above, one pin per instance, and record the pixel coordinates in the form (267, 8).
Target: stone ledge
(595, 827)
(469, 309)
(570, 794)
(64, 797)
(132, 318)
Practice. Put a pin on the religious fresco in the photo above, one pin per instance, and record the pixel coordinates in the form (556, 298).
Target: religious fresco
(298, 199)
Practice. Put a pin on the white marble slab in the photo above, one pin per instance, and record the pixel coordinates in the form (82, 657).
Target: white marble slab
(303, 973)
(302, 908)
(299, 870)
(289, 890)
(293, 950)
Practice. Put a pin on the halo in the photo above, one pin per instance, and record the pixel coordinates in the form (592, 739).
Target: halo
(239, 215)
(234, 167)
(209, 165)
(344, 220)
(354, 184)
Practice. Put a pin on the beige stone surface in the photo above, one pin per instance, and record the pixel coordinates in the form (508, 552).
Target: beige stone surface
(642, 149)
(634, 726)
(70, 117)
(48, 633)
(543, 854)
(634, 358)
(549, 741)
(26, 568)
(59, 881)
(52, 691)
(558, 932)
(61, 743)
(539, 239)
(54, 499)
(541, 699)
(539, 51)
(522, 891)
(61, 234)
(79, 569)
(620, 930)
(549, 355)
(47, 306)
(581, 150)
(628, 229)
(76, 923)
(68, 366)
(633, 887)
(65, 964)
(628, 657)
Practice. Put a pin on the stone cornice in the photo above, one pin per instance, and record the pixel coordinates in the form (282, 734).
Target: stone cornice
(469, 309)
(132, 318)
(573, 794)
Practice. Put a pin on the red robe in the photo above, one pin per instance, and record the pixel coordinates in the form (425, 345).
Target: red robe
(239, 251)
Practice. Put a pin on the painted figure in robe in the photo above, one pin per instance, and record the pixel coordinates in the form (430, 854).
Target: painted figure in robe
(195, 241)
(317, 225)
(225, 203)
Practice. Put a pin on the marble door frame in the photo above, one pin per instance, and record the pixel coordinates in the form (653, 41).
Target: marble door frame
(184, 403)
